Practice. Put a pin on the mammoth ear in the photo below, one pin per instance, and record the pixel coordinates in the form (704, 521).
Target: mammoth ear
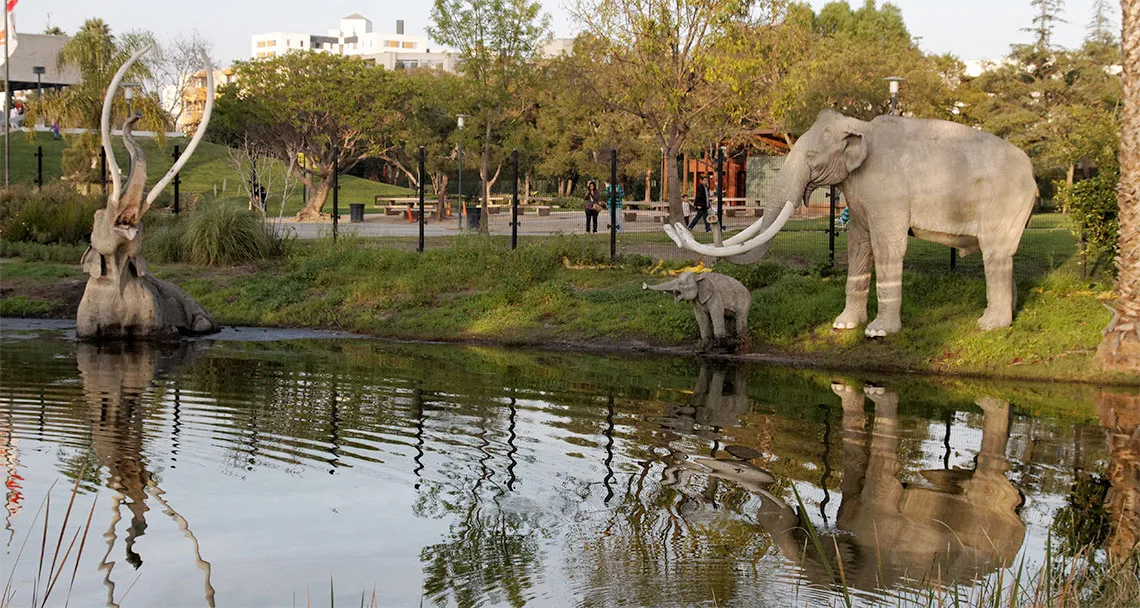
(704, 289)
(854, 150)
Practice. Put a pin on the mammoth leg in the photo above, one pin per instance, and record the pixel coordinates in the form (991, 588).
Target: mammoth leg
(859, 260)
(1000, 289)
(717, 314)
(704, 324)
(889, 247)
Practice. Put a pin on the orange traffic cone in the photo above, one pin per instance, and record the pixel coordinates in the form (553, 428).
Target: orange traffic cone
(411, 218)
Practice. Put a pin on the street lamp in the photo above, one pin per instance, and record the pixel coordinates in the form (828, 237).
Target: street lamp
(459, 120)
(129, 94)
(893, 84)
(39, 71)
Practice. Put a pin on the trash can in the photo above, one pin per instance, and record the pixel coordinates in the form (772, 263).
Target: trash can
(356, 212)
(474, 216)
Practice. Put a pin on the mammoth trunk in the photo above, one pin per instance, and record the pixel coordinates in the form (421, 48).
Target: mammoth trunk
(791, 184)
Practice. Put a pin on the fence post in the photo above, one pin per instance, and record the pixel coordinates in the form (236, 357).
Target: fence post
(720, 189)
(421, 180)
(515, 202)
(336, 189)
(103, 168)
(177, 181)
(39, 166)
(613, 204)
(953, 258)
(833, 199)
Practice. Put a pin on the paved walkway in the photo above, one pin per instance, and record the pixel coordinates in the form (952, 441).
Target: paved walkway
(375, 224)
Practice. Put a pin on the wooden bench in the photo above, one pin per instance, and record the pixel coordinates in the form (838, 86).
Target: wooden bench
(629, 216)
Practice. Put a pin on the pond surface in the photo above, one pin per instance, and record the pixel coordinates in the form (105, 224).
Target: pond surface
(254, 473)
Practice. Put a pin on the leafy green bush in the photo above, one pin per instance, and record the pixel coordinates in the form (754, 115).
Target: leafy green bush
(1092, 209)
(224, 233)
(164, 237)
(56, 213)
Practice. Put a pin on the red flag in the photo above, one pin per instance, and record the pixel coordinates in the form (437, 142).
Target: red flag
(12, 4)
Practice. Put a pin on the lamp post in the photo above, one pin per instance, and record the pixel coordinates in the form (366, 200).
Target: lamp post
(129, 94)
(459, 119)
(39, 71)
(893, 84)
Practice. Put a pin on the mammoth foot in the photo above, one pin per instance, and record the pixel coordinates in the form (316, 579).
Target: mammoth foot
(995, 319)
(882, 327)
(850, 319)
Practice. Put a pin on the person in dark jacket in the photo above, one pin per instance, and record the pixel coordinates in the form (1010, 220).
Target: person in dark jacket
(701, 204)
(593, 206)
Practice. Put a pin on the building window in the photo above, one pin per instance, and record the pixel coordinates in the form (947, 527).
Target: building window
(271, 43)
(391, 44)
(409, 45)
(288, 42)
(260, 44)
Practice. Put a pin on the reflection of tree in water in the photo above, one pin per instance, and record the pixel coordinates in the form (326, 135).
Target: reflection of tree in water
(116, 380)
(492, 552)
(682, 525)
(489, 556)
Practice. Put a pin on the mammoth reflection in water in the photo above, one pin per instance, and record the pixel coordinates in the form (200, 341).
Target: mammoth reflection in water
(957, 524)
(720, 398)
(117, 378)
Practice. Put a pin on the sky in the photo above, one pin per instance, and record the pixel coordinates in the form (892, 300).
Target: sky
(969, 29)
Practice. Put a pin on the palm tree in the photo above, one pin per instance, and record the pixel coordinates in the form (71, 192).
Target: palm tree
(54, 30)
(96, 54)
(1121, 346)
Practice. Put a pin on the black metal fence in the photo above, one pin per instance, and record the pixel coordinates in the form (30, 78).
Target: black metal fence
(815, 237)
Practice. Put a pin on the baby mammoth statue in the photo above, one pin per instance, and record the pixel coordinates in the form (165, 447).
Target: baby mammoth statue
(713, 296)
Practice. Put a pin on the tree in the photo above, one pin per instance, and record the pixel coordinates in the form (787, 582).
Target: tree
(1121, 346)
(677, 66)
(96, 54)
(311, 105)
(849, 56)
(54, 30)
(1047, 17)
(497, 41)
(172, 70)
(430, 99)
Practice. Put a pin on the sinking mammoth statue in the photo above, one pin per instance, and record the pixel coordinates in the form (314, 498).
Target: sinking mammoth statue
(937, 180)
(122, 300)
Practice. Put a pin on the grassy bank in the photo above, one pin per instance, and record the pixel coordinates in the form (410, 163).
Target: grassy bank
(564, 291)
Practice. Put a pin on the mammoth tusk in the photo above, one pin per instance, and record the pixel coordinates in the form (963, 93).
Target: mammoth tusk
(105, 123)
(669, 230)
(751, 230)
(160, 184)
(691, 243)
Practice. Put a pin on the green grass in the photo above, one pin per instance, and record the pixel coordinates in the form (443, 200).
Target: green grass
(206, 170)
(473, 287)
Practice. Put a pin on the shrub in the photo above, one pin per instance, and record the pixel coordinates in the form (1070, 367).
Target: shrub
(224, 233)
(56, 213)
(164, 236)
(1092, 208)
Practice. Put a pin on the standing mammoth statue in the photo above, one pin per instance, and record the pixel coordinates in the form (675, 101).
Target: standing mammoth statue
(936, 180)
(713, 296)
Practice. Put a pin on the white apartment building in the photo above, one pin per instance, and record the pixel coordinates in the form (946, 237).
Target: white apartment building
(356, 38)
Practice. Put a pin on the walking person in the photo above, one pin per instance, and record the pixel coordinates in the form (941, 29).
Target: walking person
(593, 206)
(615, 194)
(701, 204)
